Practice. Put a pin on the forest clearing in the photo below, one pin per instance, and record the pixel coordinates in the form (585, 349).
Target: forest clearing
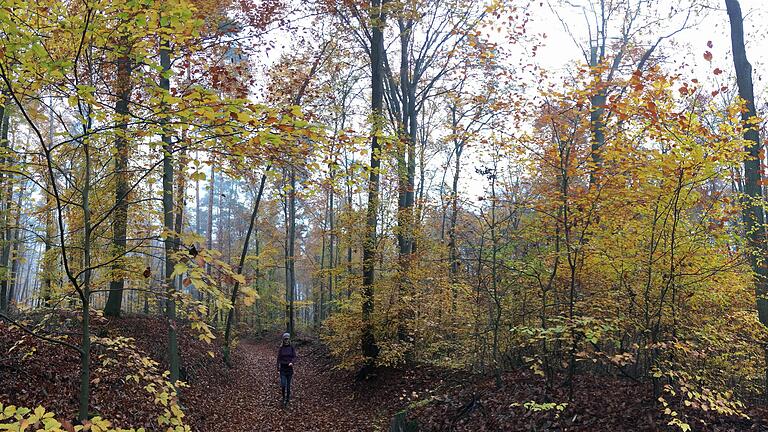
(383, 215)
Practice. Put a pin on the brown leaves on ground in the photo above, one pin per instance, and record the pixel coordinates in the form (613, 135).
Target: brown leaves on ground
(246, 397)
(599, 404)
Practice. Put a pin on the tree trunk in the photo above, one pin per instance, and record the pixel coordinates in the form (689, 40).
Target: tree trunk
(453, 252)
(85, 341)
(596, 121)
(405, 169)
(120, 225)
(291, 258)
(753, 216)
(168, 222)
(16, 248)
(5, 183)
(209, 227)
(368, 342)
(331, 263)
(321, 309)
(241, 265)
(753, 213)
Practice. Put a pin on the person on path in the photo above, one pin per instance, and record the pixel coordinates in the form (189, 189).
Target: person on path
(286, 355)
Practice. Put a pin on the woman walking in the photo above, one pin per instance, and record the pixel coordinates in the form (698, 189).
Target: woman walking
(286, 355)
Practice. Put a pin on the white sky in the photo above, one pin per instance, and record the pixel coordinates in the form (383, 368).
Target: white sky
(559, 53)
(686, 47)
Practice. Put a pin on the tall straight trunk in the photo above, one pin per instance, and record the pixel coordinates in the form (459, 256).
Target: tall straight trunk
(181, 196)
(209, 227)
(453, 252)
(16, 248)
(6, 199)
(168, 222)
(46, 289)
(321, 309)
(286, 254)
(753, 215)
(350, 270)
(291, 258)
(197, 202)
(257, 276)
(596, 121)
(368, 341)
(495, 283)
(5, 251)
(406, 168)
(85, 325)
(331, 263)
(120, 225)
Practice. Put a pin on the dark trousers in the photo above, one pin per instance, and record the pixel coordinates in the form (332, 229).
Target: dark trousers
(286, 376)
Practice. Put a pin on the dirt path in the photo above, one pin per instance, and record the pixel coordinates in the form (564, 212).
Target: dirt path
(247, 397)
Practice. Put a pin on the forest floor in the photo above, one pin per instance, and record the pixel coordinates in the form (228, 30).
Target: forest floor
(243, 398)
(323, 398)
(246, 397)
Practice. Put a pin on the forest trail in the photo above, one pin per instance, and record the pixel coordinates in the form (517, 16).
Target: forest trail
(248, 396)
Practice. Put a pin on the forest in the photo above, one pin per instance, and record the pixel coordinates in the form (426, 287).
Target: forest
(452, 215)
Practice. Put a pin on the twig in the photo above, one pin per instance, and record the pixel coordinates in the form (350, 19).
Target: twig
(39, 336)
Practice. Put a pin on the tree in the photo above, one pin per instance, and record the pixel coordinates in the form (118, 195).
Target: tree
(753, 214)
(377, 53)
(123, 89)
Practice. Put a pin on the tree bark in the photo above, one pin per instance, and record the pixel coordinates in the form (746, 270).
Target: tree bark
(596, 121)
(16, 248)
(291, 258)
(331, 263)
(168, 222)
(7, 185)
(241, 265)
(368, 343)
(120, 225)
(753, 215)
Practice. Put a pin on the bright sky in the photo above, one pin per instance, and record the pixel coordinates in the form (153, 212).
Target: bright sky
(685, 48)
(684, 51)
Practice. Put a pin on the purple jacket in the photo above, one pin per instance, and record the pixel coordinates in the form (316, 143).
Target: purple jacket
(285, 355)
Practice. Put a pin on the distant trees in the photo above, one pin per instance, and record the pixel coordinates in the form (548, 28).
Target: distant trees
(96, 156)
(405, 175)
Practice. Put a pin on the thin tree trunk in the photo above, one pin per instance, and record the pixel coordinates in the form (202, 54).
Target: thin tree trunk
(322, 271)
(241, 265)
(168, 223)
(453, 253)
(291, 258)
(85, 341)
(331, 263)
(6, 181)
(16, 247)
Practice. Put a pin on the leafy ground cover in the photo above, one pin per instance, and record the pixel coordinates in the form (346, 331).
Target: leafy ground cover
(246, 397)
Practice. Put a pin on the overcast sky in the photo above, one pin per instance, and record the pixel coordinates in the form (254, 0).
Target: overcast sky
(685, 50)
(558, 52)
